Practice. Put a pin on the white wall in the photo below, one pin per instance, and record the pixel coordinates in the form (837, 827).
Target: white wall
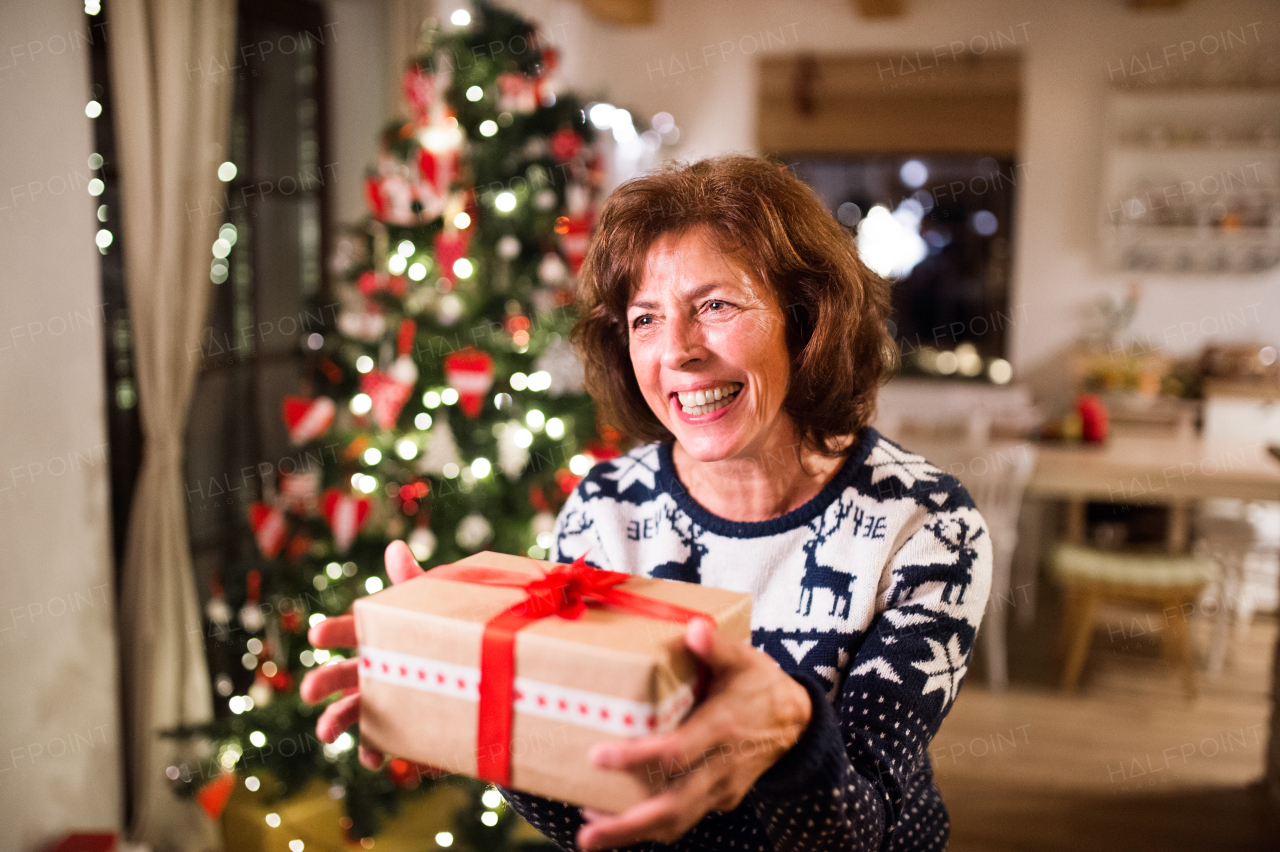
(60, 739)
(1068, 48)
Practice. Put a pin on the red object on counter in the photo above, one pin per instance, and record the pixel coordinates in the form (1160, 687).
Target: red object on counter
(1093, 418)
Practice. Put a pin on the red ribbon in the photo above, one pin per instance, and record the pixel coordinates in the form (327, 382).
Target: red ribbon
(562, 591)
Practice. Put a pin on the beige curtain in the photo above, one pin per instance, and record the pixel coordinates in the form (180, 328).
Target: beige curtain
(171, 107)
(404, 23)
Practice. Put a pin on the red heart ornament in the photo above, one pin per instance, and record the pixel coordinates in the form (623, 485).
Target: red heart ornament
(469, 371)
(214, 794)
(346, 515)
(390, 391)
(307, 419)
(269, 528)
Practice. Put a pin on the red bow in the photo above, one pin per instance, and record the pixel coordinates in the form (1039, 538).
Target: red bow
(562, 591)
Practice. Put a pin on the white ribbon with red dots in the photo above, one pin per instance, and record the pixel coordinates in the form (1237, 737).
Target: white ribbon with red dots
(619, 716)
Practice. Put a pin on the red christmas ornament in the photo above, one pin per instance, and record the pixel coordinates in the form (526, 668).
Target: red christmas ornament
(371, 282)
(564, 144)
(406, 773)
(419, 88)
(291, 621)
(517, 93)
(567, 480)
(281, 681)
(436, 171)
(538, 500)
(213, 795)
(469, 371)
(1093, 418)
(346, 515)
(575, 233)
(390, 390)
(451, 246)
(297, 492)
(298, 546)
(307, 419)
(373, 197)
(269, 528)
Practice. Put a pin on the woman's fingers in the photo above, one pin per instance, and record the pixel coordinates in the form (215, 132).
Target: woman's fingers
(703, 639)
(633, 754)
(326, 680)
(337, 717)
(336, 632)
(400, 563)
(370, 757)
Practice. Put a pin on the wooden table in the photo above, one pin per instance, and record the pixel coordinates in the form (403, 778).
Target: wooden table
(1162, 471)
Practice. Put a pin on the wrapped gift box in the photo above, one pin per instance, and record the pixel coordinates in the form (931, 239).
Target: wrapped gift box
(606, 675)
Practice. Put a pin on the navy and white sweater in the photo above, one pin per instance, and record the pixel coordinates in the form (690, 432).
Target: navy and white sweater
(869, 594)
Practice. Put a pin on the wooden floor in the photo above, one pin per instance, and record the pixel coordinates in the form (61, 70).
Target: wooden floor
(1127, 764)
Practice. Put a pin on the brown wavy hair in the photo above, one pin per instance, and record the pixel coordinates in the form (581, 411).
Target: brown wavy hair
(779, 230)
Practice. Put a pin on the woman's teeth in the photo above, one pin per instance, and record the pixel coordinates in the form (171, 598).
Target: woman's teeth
(697, 403)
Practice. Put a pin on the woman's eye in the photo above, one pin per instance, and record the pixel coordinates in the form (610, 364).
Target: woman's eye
(723, 304)
(638, 320)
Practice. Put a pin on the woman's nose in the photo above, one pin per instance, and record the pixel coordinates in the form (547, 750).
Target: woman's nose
(682, 343)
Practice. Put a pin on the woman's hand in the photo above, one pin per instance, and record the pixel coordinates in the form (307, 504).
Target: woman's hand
(754, 712)
(340, 632)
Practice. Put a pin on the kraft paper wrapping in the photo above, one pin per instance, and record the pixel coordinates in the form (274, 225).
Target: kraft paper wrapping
(420, 641)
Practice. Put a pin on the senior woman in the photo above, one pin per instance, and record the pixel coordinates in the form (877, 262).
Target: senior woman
(728, 324)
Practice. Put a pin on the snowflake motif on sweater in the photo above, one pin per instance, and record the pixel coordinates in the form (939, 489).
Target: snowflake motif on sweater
(869, 595)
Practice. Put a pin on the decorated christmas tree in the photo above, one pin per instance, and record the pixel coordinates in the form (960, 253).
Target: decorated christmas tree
(446, 410)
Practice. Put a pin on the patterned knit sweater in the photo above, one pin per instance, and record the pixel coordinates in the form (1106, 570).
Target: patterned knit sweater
(869, 595)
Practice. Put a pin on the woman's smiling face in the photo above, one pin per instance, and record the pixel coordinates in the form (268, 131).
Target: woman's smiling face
(699, 323)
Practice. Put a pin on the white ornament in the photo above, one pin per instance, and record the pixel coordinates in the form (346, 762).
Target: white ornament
(261, 693)
(449, 310)
(403, 370)
(551, 269)
(251, 617)
(545, 199)
(422, 541)
(511, 456)
(561, 362)
(508, 247)
(441, 448)
(543, 522)
(473, 531)
(362, 325)
(218, 610)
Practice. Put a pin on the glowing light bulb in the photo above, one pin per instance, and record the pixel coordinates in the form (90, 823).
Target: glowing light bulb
(361, 403)
(505, 202)
(462, 220)
(405, 249)
(364, 364)
(488, 127)
(227, 171)
(475, 93)
(462, 268)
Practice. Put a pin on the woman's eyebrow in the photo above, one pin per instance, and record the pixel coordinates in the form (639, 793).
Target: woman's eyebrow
(700, 290)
